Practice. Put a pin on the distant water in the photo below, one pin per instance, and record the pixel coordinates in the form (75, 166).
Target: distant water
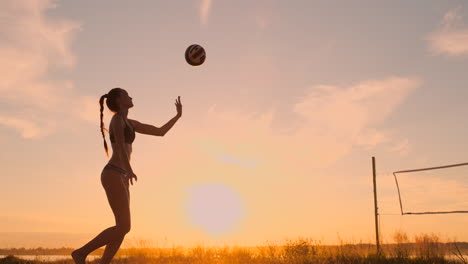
(49, 257)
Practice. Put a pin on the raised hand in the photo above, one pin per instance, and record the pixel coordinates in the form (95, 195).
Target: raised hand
(178, 106)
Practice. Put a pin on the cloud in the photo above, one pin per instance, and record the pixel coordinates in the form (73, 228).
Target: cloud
(339, 118)
(30, 46)
(28, 129)
(87, 108)
(333, 121)
(451, 36)
(403, 147)
(205, 8)
(371, 138)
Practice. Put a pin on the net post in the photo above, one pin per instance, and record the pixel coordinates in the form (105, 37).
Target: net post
(375, 207)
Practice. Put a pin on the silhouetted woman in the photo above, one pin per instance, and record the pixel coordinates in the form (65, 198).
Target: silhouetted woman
(117, 173)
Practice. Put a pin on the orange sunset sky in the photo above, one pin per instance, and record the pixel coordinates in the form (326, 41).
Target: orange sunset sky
(279, 124)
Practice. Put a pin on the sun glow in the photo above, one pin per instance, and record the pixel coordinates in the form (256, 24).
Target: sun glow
(214, 207)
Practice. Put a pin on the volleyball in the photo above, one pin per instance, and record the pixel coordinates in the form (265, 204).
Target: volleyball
(195, 55)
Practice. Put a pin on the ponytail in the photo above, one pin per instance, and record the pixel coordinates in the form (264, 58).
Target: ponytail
(101, 103)
(111, 103)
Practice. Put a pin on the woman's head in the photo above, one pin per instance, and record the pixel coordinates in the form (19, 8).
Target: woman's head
(118, 100)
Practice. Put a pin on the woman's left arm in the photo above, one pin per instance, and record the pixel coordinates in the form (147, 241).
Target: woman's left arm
(158, 131)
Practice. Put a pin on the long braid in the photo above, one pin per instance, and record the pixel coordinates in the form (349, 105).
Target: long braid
(101, 103)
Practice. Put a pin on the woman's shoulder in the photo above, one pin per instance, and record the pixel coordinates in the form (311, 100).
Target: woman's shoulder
(117, 120)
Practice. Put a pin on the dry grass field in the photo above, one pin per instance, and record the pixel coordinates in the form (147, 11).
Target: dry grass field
(424, 248)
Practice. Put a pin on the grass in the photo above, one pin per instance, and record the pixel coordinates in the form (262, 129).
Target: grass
(424, 248)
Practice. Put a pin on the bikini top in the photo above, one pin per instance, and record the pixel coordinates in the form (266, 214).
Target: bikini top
(128, 133)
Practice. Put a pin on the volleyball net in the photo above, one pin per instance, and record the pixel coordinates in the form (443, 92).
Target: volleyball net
(433, 190)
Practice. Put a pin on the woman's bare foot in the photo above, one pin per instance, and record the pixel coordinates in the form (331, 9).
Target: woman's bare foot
(78, 258)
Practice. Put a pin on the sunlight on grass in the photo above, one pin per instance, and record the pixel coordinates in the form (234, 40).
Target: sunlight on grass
(423, 248)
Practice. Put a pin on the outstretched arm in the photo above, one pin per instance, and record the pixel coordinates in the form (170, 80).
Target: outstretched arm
(158, 131)
(166, 127)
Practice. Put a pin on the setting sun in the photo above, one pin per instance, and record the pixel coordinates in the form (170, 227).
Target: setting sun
(214, 207)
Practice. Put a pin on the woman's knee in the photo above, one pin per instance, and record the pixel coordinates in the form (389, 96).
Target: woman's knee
(123, 228)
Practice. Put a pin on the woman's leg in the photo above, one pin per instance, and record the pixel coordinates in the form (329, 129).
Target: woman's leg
(118, 197)
(112, 248)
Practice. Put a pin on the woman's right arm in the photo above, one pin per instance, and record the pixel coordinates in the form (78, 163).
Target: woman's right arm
(117, 126)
